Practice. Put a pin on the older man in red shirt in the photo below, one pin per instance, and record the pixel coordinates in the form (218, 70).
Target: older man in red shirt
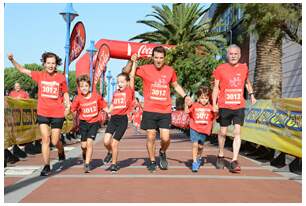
(18, 93)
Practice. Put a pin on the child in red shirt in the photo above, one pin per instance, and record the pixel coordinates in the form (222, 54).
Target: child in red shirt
(121, 105)
(201, 121)
(52, 106)
(88, 105)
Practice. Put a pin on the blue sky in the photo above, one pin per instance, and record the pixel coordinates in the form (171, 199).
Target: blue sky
(32, 28)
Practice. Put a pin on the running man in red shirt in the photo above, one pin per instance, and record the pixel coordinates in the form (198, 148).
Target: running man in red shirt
(18, 93)
(88, 104)
(201, 121)
(120, 107)
(230, 80)
(157, 78)
(53, 104)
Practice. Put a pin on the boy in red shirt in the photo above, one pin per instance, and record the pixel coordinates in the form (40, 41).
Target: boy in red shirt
(121, 105)
(88, 104)
(201, 121)
(52, 106)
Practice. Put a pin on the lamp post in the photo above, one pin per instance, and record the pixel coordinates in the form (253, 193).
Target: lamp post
(108, 76)
(68, 14)
(92, 50)
(113, 85)
(102, 82)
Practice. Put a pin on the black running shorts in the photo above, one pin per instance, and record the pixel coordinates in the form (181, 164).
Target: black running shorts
(117, 126)
(88, 130)
(154, 120)
(229, 116)
(55, 123)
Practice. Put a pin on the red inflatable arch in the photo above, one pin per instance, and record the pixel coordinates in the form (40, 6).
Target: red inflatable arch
(113, 49)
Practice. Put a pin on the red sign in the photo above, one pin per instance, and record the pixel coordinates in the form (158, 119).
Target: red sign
(180, 119)
(101, 60)
(77, 41)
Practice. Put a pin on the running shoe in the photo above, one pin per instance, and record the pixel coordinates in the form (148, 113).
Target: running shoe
(114, 168)
(61, 156)
(152, 166)
(163, 164)
(108, 158)
(195, 166)
(46, 171)
(86, 168)
(235, 167)
(200, 161)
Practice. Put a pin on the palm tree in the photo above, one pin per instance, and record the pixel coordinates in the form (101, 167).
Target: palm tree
(270, 23)
(179, 26)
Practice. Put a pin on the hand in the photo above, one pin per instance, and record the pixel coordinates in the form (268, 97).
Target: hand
(253, 100)
(10, 56)
(134, 57)
(215, 108)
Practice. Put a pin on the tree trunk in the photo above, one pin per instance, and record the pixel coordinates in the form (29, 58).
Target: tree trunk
(268, 71)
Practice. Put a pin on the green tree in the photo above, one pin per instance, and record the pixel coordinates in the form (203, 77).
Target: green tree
(270, 23)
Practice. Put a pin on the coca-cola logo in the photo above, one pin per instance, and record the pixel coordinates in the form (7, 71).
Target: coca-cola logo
(146, 51)
(102, 59)
(77, 46)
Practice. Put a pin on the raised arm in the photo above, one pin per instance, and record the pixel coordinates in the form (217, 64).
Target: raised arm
(20, 68)
(133, 71)
(127, 69)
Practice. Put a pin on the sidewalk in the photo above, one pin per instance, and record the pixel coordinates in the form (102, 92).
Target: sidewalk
(133, 182)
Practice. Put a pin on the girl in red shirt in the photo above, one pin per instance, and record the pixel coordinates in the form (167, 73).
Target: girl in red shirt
(88, 105)
(53, 103)
(201, 121)
(121, 105)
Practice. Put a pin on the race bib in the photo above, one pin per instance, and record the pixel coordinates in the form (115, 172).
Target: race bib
(50, 89)
(158, 92)
(119, 101)
(233, 96)
(90, 109)
(201, 116)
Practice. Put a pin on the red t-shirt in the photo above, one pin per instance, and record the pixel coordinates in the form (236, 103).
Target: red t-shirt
(89, 109)
(51, 89)
(18, 95)
(122, 101)
(232, 82)
(201, 117)
(156, 87)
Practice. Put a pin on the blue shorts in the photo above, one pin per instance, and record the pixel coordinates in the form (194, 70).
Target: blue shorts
(197, 137)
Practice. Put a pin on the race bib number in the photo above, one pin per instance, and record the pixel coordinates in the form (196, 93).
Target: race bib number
(119, 101)
(201, 116)
(158, 92)
(50, 89)
(90, 109)
(233, 96)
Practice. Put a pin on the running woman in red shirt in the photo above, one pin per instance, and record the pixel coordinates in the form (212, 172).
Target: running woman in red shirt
(230, 80)
(18, 93)
(157, 78)
(53, 104)
(201, 121)
(121, 105)
(88, 104)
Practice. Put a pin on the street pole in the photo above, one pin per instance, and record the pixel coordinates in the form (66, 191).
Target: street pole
(92, 50)
(108, 76)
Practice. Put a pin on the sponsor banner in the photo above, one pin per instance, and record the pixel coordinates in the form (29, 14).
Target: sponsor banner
(20, 121)
(275, 123)
(102, 58)
(77, 40)
(180, 119)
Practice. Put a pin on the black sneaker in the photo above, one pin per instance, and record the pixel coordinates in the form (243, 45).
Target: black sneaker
(46, 171)
(220, 163)
(61, 156)
(86, 168)
(152, 166)
(114, 168)
(108, 158)
(234, 167)
(163, 164)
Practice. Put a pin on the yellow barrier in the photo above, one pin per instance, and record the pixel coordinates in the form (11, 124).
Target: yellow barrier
(276, 124)
(20, 121)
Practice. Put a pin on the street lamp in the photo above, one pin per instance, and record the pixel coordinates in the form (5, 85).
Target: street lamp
(92, 50)
(68, 14)
(108, 76)
(113, 84)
